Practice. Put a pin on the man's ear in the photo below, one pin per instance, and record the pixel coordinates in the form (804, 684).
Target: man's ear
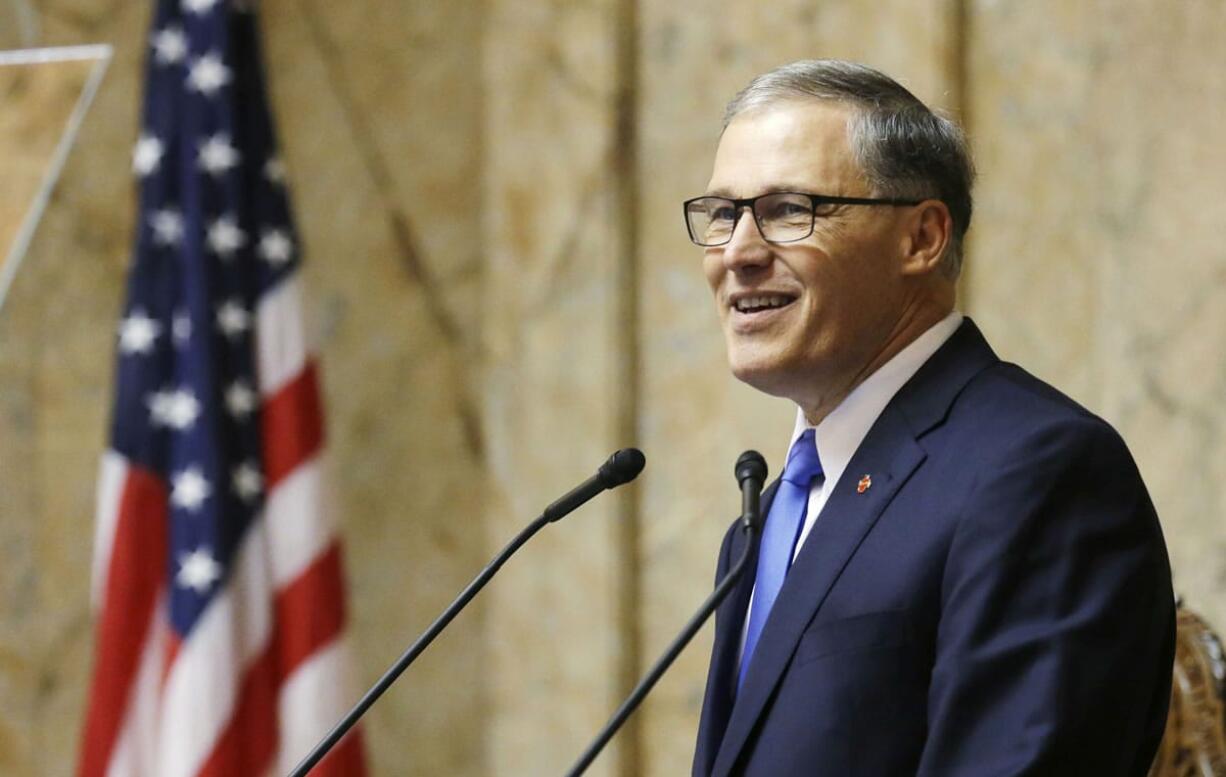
(929, 229)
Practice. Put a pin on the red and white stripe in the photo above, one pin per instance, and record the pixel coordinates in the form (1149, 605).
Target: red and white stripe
(263, 675)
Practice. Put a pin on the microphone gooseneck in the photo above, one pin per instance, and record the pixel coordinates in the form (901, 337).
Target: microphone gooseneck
(622, 467)
(750, 473)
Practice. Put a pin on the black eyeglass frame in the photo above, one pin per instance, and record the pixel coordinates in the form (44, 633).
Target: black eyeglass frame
(814, 201)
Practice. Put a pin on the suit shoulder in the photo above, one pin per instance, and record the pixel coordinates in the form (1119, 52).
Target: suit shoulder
(1005, 416)
(1007, 398)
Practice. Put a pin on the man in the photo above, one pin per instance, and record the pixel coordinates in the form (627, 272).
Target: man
(960, 571)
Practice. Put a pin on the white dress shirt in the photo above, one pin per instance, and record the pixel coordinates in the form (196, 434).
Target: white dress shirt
(840, 433)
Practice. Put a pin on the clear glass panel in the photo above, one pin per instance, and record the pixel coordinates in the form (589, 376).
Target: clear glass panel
(44, 95)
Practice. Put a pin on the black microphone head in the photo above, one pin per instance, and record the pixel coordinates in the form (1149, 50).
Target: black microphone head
(622, 467)
(750, 464)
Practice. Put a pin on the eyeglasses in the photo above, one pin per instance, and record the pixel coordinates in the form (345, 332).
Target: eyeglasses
(782, 217)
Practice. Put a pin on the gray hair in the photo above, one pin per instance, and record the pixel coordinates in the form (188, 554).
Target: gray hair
(904, 149)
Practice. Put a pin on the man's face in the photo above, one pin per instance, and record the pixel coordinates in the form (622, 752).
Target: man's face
(841, 288)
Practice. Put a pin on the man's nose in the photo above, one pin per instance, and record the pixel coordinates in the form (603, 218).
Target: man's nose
(747, 249)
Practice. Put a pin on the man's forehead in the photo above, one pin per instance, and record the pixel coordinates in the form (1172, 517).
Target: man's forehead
(785, 146)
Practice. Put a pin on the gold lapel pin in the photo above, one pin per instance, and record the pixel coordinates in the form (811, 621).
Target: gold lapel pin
(865, 484)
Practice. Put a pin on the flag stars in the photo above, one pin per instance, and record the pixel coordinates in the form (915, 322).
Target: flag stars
(177, 409)
(274, 170)
(167, 225)
(137, 333)
(240, 399)
(233, 319)
(189, 489)
(169, 46)
(225, 237)
(198, 570)
(217, 155)
(207, 74)
(276, 247)
(181, 327)
(147, 156)
(247, 481)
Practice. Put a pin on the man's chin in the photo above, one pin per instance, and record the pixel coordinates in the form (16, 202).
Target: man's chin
(765, 375)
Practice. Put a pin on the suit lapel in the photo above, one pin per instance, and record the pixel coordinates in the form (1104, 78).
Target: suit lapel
(890, 453)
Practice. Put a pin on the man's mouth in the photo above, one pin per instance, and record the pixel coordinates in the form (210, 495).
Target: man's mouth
(758, 303)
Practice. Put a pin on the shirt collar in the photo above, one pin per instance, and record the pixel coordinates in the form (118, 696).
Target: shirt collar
(840, 433)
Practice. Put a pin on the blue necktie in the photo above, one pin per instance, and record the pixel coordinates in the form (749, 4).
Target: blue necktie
(783, 523)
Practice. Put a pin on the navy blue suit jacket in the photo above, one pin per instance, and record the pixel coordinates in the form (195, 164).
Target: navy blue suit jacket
(998, 602)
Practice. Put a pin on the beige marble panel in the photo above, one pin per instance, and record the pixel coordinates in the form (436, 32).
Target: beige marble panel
(18, 24)
(1124, 301)
(552, 383)
(1161, 105)
(10, 33)
(696, 419)
(1033, 276)
(19, 573)
(408, 75)
(56, 342)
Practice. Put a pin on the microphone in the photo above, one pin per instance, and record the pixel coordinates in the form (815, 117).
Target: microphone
(751, 476)
(622, 467)
(750, 473)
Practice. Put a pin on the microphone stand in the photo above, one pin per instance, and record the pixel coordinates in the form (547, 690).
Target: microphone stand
(751, 479)
(621, 467)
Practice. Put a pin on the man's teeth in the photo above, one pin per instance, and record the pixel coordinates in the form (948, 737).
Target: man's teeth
(757, 303)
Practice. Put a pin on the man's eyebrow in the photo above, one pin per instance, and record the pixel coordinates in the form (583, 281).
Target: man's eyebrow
(771, 189)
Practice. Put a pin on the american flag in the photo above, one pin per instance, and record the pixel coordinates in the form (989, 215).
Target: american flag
(217, 579)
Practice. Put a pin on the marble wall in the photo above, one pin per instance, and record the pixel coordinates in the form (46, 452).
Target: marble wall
(504, 293)
(1097, 259)
(18, 24)
(56, 338)
(557, 389)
